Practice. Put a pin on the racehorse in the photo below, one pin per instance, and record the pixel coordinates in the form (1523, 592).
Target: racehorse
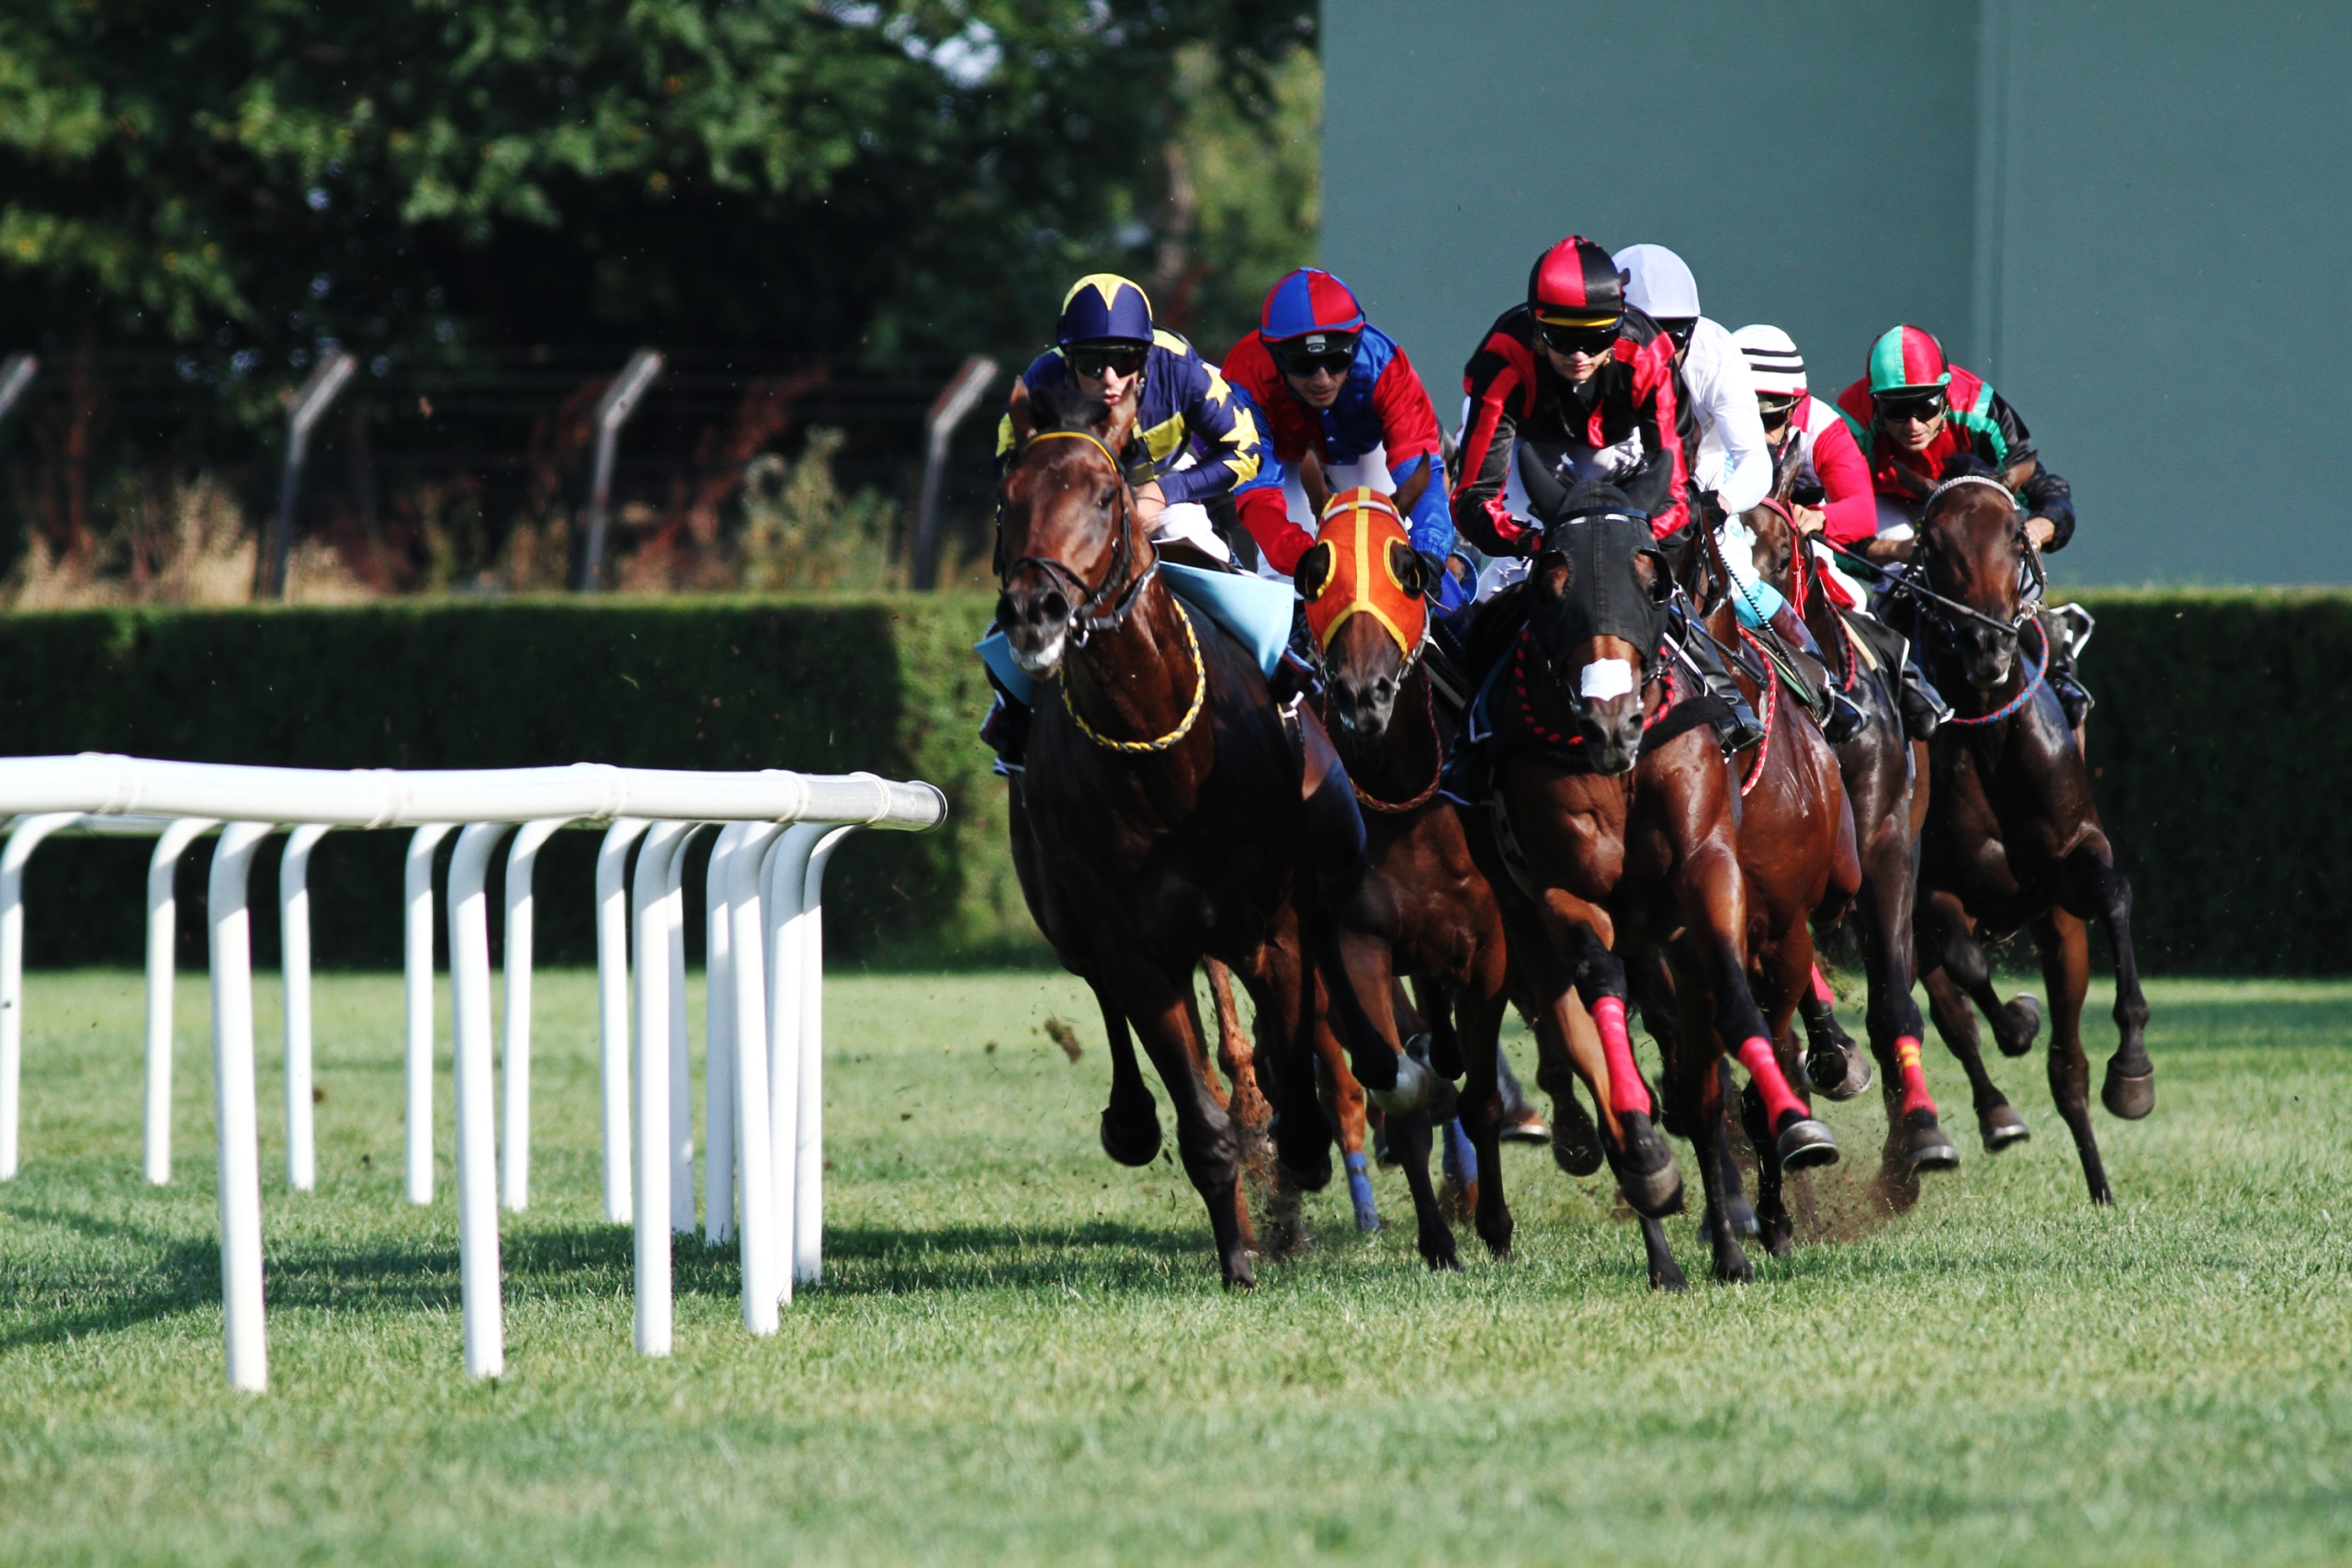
(1171, 811)
(1368, 623)
(1612, 799)
(1881, 781)
(2012, 836)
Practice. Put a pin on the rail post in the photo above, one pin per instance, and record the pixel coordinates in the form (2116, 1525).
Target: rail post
(163, 960)
(310, 405)
(682, 1100)
(417, 976)
(755, 1190)
(234, 1112)
(613, 410)
(808, 1184)
(294, 946)
(485, 1339)
(718, 1042)
(948, 412)
(23, 840)
(612, 1009)
(515, 1139)
(654, 902)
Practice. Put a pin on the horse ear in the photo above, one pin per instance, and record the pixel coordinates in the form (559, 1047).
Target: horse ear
(1552, 576)
(1313, 568)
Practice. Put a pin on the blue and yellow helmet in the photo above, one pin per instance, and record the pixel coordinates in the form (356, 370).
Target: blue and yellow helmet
(1103, 305)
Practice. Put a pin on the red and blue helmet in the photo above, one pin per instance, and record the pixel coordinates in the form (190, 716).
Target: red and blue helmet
(1575, 284)
(1103, 305)
(1309, 300)
(1906, 359)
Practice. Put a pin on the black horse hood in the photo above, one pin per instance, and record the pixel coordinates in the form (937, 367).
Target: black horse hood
(1605, 595)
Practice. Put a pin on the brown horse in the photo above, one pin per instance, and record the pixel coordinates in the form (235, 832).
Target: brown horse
(2012, 836)
(1881, 781)
(1623, 815)
(1368, 622)
(1170, 812)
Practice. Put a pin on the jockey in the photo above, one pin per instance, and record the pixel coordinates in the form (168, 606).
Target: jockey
(1831, 497)
(1911, 412)
(1333, 384)
(1197, 440)
(1577, 387)
(1733, 466)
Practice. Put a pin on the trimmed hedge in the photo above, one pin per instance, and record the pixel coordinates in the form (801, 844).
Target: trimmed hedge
(824, 686)
(2223, 729)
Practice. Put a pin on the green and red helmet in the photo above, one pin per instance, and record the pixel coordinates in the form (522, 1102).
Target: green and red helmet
(1907, 359)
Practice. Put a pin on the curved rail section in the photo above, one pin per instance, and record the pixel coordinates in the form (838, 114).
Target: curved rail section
(763, 1142)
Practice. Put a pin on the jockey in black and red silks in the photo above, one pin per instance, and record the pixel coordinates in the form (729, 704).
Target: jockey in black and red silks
(1577, 387)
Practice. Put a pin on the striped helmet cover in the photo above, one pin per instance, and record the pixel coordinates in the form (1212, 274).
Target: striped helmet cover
(1358, 540)
(1575, 284)
(1906, 357)
(1309, 300)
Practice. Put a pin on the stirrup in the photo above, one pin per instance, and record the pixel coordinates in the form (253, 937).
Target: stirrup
(1845, 719)
(1924, 709)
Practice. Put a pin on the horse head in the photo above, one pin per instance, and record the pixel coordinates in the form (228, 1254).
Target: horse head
(1599, 588)
(1973, 550)
(1071, 556)
(1366, 609)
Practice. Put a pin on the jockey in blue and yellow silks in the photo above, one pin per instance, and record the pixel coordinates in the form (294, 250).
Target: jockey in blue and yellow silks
(1198, 439)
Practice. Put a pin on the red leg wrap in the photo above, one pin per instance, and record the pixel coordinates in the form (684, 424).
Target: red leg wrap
(1625, 1090)
(1821, 991)
(1914, 1082)
(1764, 1070)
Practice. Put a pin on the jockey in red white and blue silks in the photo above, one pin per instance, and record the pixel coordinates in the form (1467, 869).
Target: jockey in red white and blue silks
(1333, 384)
(1198, 439)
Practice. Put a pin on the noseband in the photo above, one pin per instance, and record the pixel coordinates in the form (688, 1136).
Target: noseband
(2033, 579)
(1082, 620)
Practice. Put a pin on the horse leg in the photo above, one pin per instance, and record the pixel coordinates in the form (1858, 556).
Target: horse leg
(1482, 1114)
(2102, 891)
(1282, 1066)
(1786, 974)
(1838, 1070)
(1165, 1016)
(1343, 1105)
(1239, 1057)
(1953, 964)
(1914, 1139)
(2065, 948)
(1130, 1130)
(1700, 1087)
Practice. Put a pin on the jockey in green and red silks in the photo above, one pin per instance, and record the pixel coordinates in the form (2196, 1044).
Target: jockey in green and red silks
(1333, 384)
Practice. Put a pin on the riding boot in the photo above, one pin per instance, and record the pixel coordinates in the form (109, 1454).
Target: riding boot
(1924, 709)
(1006, 732)
(1833, 710)
(1738, 729)
(2066, 627)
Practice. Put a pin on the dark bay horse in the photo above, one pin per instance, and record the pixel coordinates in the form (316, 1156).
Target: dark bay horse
(1368, 620)
(1623, 815)
(1170, 811)
(2012, 836)
(1882, 786)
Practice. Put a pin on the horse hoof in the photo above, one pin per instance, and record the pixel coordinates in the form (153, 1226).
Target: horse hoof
(2002, 1126)
(1744, 1222)
(2026, 1009)
(1237, 1276)
(1133, 1142)
(2129, 1098)
(1531, 1129)
(1444, 1258)
(1668, 1278)
(1839, 1072)
(1925, 1147)
(1416, 1085)
(1737, 1271)
(1577, 1149)
(1646, 1171)
(1360, 1193)
(1803, 1143)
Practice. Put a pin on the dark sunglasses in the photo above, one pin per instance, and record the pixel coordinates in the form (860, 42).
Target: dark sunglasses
(1332, 361)
(1775, 411)
(1590, 342)
(1090, 360)
(1898, 411)
(1680, 329)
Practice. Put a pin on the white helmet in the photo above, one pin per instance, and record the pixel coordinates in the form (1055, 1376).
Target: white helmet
(1657, 282)
(1773, 362)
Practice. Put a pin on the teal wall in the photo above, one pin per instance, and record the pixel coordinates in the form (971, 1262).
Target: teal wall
(2134, 217)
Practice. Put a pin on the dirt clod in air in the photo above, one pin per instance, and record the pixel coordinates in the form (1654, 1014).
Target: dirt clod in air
(1063, 1035)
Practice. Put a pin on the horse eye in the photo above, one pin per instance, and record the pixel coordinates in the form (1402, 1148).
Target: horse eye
(1110, 493)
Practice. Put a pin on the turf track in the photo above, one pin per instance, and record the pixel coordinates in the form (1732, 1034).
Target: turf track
(1021, 1354)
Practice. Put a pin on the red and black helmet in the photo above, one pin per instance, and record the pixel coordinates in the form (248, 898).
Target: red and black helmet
(1575, 284)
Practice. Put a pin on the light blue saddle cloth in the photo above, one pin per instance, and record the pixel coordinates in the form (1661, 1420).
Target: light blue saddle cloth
(1256, 610)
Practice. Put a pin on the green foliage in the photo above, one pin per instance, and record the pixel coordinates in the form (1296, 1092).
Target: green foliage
(802, 535)
(1020, 1355)
(883, 684)
(245, 181)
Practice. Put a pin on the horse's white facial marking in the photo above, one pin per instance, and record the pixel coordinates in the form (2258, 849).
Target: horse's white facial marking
(1044, 658)
(1606, 678)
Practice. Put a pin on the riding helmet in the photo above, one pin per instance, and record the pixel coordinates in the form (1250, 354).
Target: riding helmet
(1773, 363)
(1309, 300)
(1658, 283)
(1907, 359)
(1575, 284)
(1103, 305)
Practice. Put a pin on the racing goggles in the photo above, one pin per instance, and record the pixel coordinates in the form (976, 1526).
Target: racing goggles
(1332, 353)
(1593, 342)
(1091, 359)
(1775, 411)
(1922, 407)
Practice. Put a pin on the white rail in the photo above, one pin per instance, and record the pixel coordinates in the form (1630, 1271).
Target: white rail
(764, 1173)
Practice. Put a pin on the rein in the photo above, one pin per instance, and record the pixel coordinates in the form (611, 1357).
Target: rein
(1183, 726)
(1083, 622)
(2032, 683)
(1397, 808)
(1771, 709)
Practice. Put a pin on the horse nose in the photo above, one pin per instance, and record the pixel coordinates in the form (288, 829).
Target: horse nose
(1032, 608)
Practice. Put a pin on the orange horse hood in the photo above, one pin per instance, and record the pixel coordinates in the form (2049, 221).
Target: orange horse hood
(1353, 567)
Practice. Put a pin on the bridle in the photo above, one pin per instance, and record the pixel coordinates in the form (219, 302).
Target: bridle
(1082, 620)
(1315, 646)
(2034, 578)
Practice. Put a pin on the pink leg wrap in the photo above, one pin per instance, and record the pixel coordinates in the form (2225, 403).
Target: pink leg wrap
(1821, 991)
(1914, 1082)
(1764, 1070)
(1625, 1091)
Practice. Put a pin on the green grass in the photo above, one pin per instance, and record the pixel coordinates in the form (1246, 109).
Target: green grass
(1021, 1354)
